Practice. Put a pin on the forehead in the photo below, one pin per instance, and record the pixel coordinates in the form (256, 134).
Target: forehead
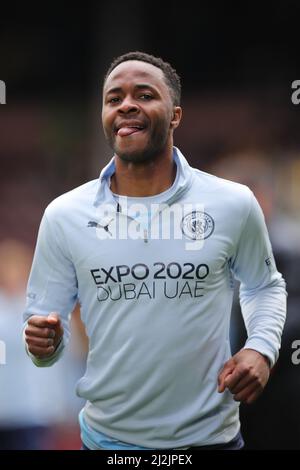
(133, 72)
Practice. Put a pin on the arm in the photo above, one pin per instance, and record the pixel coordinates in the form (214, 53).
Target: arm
(52, 287)
(263, 304)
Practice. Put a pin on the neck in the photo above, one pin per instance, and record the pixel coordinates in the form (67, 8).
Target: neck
(144, 179)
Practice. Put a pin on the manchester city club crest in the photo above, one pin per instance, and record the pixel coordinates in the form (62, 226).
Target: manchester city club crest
(197, 225)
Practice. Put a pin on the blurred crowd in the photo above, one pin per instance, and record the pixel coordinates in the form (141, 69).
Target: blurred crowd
(38, 406)
(272, 422)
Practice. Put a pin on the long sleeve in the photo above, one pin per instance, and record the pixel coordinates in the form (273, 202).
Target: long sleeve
(52, 284)
(262, 288)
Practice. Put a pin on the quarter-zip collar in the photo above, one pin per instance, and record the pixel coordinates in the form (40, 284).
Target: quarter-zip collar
(183, 181)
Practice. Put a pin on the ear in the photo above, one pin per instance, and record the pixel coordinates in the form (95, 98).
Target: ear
(177, 114)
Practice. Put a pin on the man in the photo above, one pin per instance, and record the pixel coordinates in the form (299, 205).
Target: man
(149, 251)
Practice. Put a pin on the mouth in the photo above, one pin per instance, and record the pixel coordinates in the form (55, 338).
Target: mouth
(129, 129)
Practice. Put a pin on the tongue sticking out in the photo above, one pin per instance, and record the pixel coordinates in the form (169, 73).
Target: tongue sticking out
(127, 131)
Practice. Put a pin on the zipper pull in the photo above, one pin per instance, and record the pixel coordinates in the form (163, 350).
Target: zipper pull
(145, 236)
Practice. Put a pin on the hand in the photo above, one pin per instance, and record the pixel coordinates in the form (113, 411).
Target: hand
(43, 334)
(245, 375)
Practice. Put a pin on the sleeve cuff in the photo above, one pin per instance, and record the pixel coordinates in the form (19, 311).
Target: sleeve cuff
(263, 348)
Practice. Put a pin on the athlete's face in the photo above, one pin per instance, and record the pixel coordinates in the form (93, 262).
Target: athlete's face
(138, 114)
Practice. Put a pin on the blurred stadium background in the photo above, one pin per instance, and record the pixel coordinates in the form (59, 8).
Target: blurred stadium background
(237, 62)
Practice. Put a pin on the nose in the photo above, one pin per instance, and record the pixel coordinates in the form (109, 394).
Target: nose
(128, 106)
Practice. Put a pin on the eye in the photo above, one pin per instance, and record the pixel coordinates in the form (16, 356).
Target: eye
(146, 96)
(114, 100)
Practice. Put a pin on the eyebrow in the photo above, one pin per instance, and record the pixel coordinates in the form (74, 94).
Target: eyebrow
(139, 86)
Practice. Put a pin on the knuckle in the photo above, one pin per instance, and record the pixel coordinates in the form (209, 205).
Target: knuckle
(245, 369)
(34, 320)
(31, 349)
(26, 337)
(255, 376)
(33, 341)
(29, 330)
(260, 383)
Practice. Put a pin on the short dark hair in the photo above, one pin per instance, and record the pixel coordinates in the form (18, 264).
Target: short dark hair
(171, 77)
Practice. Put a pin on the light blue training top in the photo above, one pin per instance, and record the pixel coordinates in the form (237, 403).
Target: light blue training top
(156, 302)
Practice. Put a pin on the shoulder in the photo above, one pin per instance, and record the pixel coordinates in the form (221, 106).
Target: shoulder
(71, 201)
(225, 191)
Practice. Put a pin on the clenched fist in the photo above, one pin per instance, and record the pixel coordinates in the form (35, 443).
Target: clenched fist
(43, 334)
(245, 375)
